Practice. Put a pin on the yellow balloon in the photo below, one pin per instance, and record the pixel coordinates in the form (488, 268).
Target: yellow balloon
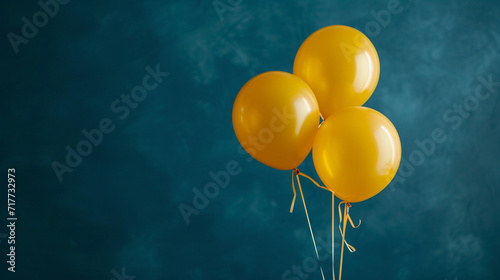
(341, 66)
(356, 153)
(275, 118)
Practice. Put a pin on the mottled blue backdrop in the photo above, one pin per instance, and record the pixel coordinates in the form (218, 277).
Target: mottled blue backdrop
(68, 69)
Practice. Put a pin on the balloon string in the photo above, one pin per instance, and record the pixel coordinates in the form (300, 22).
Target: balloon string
(333, 235)
(294, 195)
(296, 171)
(347, 217)
(316, 183)
(343, 240)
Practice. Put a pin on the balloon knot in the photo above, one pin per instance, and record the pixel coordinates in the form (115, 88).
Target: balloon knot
(296, 171)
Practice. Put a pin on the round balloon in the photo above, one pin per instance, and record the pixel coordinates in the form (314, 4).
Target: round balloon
(356, 153)
(275, 118)
(341, 66)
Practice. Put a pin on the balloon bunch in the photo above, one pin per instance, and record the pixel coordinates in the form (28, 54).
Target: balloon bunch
(356, 150)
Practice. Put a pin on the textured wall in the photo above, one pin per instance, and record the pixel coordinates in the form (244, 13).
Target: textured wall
(118, 206)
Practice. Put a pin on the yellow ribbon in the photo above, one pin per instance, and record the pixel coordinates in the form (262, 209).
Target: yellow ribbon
(347, 217)
(333, 235)
(297, 172)
(294, 194)
(316, 183)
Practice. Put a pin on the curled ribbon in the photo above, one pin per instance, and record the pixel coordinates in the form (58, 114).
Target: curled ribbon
(296, 172)
(347, 217)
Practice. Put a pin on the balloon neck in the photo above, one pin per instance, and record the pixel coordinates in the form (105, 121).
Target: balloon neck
(348, 205)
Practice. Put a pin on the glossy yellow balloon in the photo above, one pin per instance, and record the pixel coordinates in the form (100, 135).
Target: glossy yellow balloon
(356, 153)
(275, 118)
(341, 66)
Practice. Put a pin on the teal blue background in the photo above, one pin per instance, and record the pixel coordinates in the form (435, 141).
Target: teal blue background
(119, 208)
